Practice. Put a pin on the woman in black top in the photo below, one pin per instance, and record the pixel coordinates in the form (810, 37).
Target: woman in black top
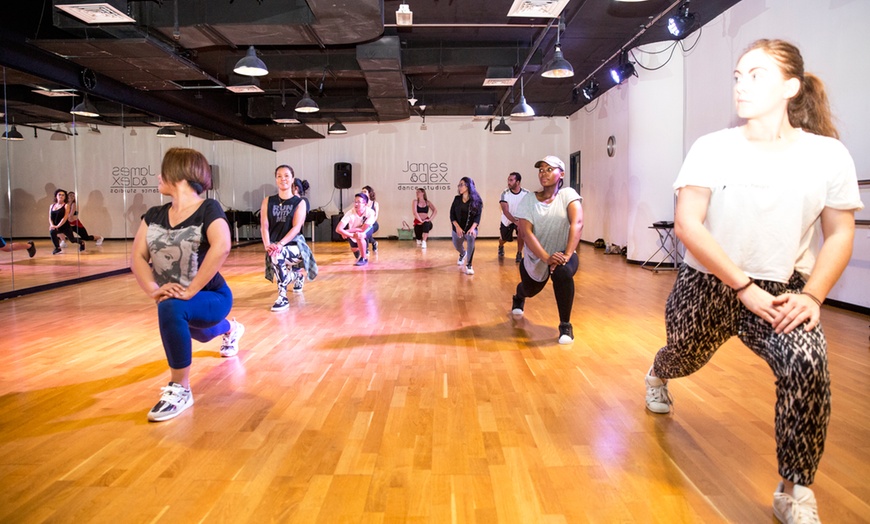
(465, 216)
(424, 211)
(177, 253)
(58, 222)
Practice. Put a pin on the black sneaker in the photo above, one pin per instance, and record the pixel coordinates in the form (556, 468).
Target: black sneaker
(375, 246)
(56, 251)
(361, 262)
(519, 258)
(500, 251)
(518, 305)
(82, 245)
(31, 249)
(566, 333)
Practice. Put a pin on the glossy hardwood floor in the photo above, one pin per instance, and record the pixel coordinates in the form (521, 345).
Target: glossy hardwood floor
(403, 392)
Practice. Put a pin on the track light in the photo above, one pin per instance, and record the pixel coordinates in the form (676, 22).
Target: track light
(590, 90)
(307, 104)
(558, 66)
(502, 128)
(85, 108)
(404, 16)
(251, 65)
(337, 129)
(622, 71)
(522, 109)
(680, 24)
(166, 132)
(12, 134)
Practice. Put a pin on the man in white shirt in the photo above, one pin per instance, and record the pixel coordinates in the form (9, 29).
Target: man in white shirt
(354, 226)
(510, 199)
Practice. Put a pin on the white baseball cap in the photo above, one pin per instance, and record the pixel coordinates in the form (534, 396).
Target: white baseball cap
(552, 161)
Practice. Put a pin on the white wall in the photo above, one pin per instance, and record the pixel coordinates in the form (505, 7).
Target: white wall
(831, 37)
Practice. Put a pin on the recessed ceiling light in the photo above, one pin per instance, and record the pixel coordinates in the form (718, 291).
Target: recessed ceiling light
(537, 8)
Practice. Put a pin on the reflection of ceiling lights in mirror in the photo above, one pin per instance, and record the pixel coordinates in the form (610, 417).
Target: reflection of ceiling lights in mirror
(96, 13)
(85, 108)
(12, 134)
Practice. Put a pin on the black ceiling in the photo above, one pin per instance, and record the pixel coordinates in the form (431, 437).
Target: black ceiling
(176, 60)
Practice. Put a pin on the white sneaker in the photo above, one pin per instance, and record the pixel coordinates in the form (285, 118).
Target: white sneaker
(230, 346)
(63, 244)
(469, 270)
(798, 508)
(100, 241)
(173, 401)
(461, 259)
(423, 245)
(658, 400)
(419, 243)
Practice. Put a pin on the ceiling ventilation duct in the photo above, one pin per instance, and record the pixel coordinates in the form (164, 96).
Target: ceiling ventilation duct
(94, 13)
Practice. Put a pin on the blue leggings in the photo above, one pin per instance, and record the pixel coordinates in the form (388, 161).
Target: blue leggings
(203, 317)
(468, 240)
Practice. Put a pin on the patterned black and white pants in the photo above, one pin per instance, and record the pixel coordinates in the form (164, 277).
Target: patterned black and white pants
(702, 313)
(286, 265)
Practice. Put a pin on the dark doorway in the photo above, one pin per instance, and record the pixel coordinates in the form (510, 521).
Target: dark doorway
(574, 172)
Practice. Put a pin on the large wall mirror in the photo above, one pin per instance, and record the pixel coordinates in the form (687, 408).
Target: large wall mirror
(110, 161)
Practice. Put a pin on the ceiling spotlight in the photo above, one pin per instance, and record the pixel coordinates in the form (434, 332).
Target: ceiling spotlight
(337, 129)
(558, 67)
(307, 104)
(12, 134)
(680, 23)
(522, 109)
(622, 71)
(404, 16)
(166, 132)
(502, 128)
(85, 108)
(590, 90)
(251, 65)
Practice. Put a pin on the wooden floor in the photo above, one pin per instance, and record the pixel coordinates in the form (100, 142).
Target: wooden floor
(403, 392)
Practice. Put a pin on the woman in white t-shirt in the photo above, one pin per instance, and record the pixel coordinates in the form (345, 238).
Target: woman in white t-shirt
(551, 221)
(753, 204)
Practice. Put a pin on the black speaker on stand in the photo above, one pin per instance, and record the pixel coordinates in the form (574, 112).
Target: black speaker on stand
(343, 179)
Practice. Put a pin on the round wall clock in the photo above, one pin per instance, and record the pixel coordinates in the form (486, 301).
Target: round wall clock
(611, 145)
(89, 79)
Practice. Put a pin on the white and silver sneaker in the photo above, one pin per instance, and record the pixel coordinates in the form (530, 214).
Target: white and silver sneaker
(658, 400)
(799, 508)
(230, 346)
(174, 400)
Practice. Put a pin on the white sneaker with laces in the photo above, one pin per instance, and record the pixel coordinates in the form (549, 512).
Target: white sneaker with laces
(469, 270)
(461, 259)
(658, 400)
(100, 241)
(230, 346)
(800, 507)
(173, 401)
(423, 245)
(63, 244)
(419, 242)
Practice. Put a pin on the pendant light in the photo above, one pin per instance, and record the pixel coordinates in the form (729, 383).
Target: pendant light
(12, 134)
(337, 129)
(558, 66)
(502, 128)
(522, 109)
(307, 104)
(85, 108)
(251, 65)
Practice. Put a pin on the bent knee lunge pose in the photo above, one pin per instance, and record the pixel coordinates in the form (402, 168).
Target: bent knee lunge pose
(509, 200)
(355, 227)
(58, 222)
(751, 202)
(177, 253)
(551, 221)
(281, 219)
(424, 212)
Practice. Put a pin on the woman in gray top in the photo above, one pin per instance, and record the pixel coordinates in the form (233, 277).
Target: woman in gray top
(551, 221)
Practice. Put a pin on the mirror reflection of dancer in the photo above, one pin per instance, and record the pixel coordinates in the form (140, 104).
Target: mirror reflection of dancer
(177, 253)
(355, 226)
(76, 224)
(281, 219)
(9, 247)
(551, 221)
(376, 209)
(424, 211)
(752, 204)
(465, 214)
(58, 222)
